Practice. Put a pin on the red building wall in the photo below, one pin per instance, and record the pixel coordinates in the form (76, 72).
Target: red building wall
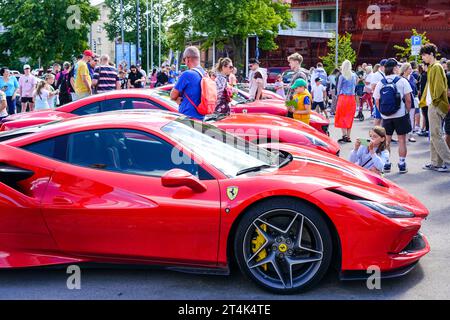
(376, 26)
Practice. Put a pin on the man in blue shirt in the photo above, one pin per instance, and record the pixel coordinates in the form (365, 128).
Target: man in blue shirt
(187, 91)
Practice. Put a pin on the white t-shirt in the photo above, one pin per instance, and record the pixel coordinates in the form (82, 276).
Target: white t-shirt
(376, 77)
(368, 87)
(403, 87)
(253, 83)
(4, 112)
(317, 92)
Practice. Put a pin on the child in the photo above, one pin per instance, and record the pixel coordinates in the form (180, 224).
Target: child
(319, 92)
(279, 86)
(373, 156)
(302, 99)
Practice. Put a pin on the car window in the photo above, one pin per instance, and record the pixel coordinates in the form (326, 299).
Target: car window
(54, 148)
(146, 105)
(91, 108)
(130, 152)
(116, 104)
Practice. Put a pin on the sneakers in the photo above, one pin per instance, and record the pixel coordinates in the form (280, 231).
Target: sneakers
(387, 167)
(412, 139)
(423, 134)
(442, 168)
(402, 167)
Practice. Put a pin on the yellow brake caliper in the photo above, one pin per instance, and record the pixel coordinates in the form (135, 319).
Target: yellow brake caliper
(257, 243)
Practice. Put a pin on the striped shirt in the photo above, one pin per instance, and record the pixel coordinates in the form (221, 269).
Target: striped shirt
(106, 77)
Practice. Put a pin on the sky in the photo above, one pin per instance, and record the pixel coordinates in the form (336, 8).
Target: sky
(95, 2)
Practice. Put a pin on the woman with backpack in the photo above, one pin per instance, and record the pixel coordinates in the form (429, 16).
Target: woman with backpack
(346, 105)
(64, 86)
(223, 70)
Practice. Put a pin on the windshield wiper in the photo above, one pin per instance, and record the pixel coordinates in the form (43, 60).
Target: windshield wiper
(252, 169)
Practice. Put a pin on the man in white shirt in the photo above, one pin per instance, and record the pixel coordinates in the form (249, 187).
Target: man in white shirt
(254, 67)
(374, 80)
(319, 92)
(27, 84)
(399, 121)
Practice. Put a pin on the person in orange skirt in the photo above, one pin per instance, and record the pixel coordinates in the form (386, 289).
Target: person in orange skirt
(346, 105)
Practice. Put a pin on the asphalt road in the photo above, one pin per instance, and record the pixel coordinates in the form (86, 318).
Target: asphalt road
(430, 280)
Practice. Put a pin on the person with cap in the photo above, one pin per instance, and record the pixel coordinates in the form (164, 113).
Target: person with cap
(394, 110)
(254, 66)
(319, 93)
(375, 79)
(83, 80)
(435, 97)
(302, 99)
(27, 84)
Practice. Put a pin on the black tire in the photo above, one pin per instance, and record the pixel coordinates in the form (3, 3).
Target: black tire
(282, 250)
(361, 116)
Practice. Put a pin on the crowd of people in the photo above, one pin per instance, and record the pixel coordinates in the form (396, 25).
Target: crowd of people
(404, 98)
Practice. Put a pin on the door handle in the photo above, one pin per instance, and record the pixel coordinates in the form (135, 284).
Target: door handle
(62, 201)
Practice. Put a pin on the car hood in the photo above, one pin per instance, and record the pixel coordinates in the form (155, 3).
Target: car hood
(339, 175)
(51, 115)
(273, 122)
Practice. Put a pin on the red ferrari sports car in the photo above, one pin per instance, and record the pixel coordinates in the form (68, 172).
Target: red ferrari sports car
(120, 187)
(261, 128)
(275, 105)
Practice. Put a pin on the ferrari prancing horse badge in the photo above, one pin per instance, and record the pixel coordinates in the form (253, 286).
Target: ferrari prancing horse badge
(232, 192)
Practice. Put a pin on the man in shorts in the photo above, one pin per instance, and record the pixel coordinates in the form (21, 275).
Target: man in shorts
(27, 84)
(319, 93)
(399, 121)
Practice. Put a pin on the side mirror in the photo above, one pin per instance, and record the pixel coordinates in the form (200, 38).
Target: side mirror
(179, 178)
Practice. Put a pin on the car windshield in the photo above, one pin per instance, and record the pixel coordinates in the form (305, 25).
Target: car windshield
(229, 154)
(165, 96)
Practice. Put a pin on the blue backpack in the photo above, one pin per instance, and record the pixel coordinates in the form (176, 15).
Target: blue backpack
(390, 98)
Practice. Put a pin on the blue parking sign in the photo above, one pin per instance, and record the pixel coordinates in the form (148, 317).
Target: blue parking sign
(416, 40)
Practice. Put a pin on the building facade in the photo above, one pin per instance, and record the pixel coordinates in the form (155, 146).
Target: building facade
(98, 38)
(376, 26)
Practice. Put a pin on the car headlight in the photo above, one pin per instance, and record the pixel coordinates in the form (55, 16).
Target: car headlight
(391, 211)
(315, 141)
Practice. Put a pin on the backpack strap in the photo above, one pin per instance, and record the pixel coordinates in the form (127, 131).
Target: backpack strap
(199, 72)
(192, 102)
(397, 79)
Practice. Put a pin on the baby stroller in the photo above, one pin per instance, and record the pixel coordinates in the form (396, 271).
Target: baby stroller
(365, 102)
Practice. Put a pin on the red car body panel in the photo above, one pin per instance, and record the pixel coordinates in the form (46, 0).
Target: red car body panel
(67, 213)
(263, 126)
(274, 105)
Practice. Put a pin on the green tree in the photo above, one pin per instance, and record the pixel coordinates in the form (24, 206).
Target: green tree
(46, 29)
(113, 27)
(345, 52)
(405, 51)
(228, 22)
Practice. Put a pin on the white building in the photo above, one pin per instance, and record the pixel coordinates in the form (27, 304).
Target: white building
(98, 38)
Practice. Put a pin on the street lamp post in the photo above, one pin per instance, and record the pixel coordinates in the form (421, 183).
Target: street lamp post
(159, 34)
(151, 33)
(337, 34)
(138, 40)
(122, 31)
(148, 66)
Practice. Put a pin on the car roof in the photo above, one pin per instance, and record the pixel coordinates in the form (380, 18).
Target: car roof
(153, 120)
